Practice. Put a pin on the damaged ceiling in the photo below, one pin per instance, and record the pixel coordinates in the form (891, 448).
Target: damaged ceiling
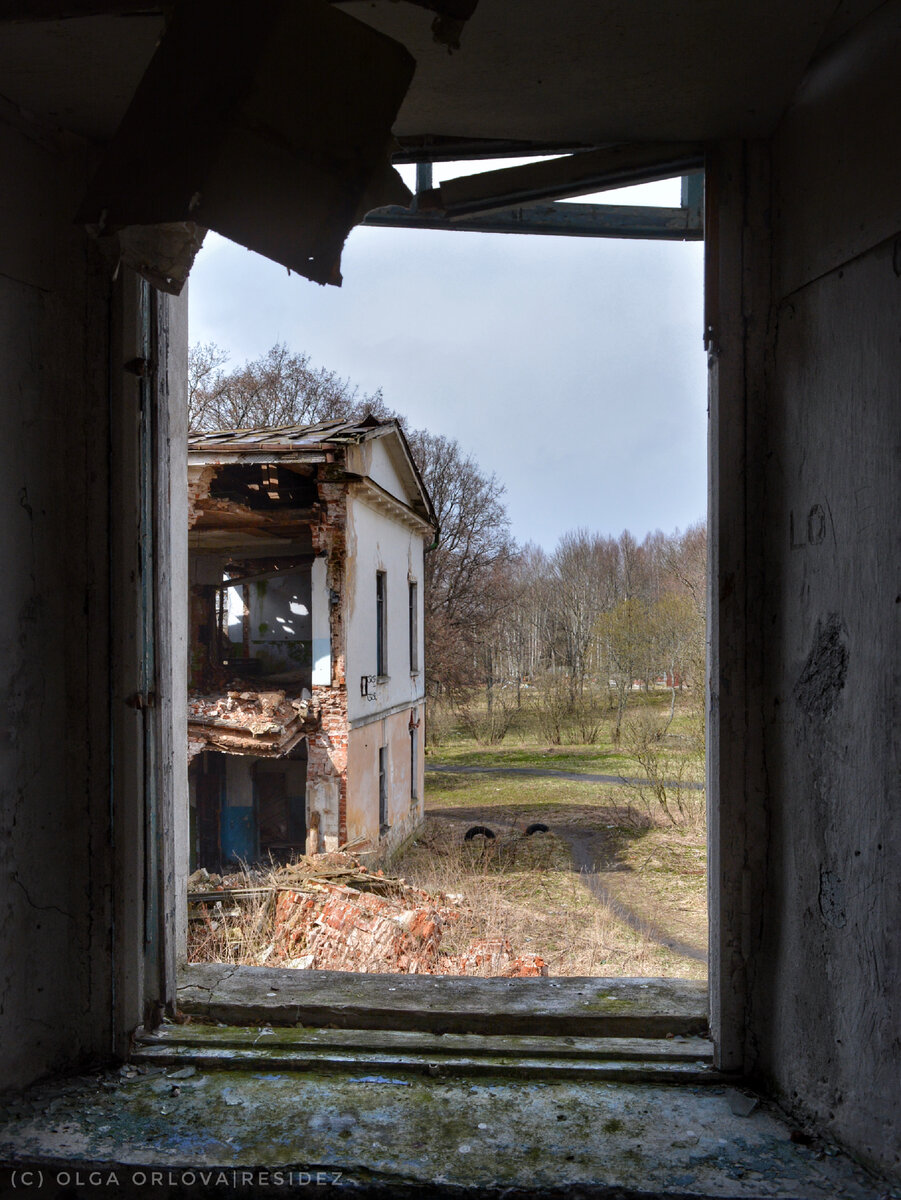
(581, 71)
(272, 123)
(262, 724)
(290, 448)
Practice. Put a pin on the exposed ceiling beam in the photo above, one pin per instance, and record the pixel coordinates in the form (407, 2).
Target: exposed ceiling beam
(432, 148)
(579, 174)
(560, 220)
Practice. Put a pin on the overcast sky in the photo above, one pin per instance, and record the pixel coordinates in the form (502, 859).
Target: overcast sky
(572, 368)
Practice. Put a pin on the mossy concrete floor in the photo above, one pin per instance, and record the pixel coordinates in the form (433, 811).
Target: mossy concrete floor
(190, 1130)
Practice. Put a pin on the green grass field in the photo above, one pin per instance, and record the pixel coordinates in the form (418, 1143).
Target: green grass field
(643, 912)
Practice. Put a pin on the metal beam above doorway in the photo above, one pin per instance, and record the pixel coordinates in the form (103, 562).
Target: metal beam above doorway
(532, 198)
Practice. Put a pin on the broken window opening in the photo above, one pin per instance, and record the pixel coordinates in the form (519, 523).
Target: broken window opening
(383, 788)
(414, 626)
(269, 486)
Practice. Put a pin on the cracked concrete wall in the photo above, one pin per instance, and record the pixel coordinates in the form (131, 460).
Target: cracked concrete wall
(823, 1016)
(55, 858)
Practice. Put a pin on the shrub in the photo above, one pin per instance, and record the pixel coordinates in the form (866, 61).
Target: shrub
(670, 786)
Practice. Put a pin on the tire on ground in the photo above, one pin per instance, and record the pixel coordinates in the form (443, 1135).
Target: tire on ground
(479, 831)
(537, 827)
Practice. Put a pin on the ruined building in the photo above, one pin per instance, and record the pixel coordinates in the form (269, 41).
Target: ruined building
(306, 682)
(128, 128)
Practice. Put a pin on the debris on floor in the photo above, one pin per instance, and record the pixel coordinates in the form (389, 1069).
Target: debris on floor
(330, 912)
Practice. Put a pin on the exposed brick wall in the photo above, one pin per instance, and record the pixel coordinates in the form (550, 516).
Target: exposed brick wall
(327, 749)
(200, 480)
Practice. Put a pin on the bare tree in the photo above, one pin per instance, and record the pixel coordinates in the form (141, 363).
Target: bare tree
(683, 559)
(524, 631)
(465, 580)
(624, 640)
(584, 573)
(205, 382)
(279, 388)
(673, 632)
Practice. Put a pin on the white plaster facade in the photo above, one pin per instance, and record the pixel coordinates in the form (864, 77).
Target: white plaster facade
(384, 710)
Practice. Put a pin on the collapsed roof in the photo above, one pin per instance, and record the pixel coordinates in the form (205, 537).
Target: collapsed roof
(275, 123)
(262, 724)
(289, 449)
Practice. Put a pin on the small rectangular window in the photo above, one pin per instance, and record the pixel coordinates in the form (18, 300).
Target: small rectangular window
(381, 628)
(414, 626)
(414, 765)
(383, 788)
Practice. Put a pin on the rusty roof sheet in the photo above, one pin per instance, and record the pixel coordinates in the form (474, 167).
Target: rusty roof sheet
(291, 437)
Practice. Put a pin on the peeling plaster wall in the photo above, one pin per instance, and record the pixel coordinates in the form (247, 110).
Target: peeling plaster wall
(327, 748)
(404, 811)
(824, 1004)
(55, 859)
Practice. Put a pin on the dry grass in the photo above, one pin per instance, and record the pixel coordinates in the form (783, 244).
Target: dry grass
(524, 889)
(646, 841)
(234, 929)
(527, 890)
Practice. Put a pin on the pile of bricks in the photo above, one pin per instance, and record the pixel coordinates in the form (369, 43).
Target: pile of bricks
(494, 957)
(334, 927)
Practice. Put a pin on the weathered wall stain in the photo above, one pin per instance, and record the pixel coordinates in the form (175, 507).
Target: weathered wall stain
(832, 899)
(821, 681)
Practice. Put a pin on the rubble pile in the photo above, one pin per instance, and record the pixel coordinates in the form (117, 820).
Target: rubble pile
(246, 722)
(331, 913)
(333, 927)
(495, 957)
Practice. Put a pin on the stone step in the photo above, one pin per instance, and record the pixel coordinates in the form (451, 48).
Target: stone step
(361, 1052)
(578, 1007)
(670, 1049)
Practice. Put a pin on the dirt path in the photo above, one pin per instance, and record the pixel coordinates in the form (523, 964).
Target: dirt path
(585, 849)
(588, 848)
(552, 773)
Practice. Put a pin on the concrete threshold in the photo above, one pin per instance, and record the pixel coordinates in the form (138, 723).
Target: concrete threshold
(392, 1131)
(583, 1007)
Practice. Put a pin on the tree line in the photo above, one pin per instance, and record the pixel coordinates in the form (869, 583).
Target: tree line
(577, 627)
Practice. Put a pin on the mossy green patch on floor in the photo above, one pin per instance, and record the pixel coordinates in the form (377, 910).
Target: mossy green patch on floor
(399, 1130)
